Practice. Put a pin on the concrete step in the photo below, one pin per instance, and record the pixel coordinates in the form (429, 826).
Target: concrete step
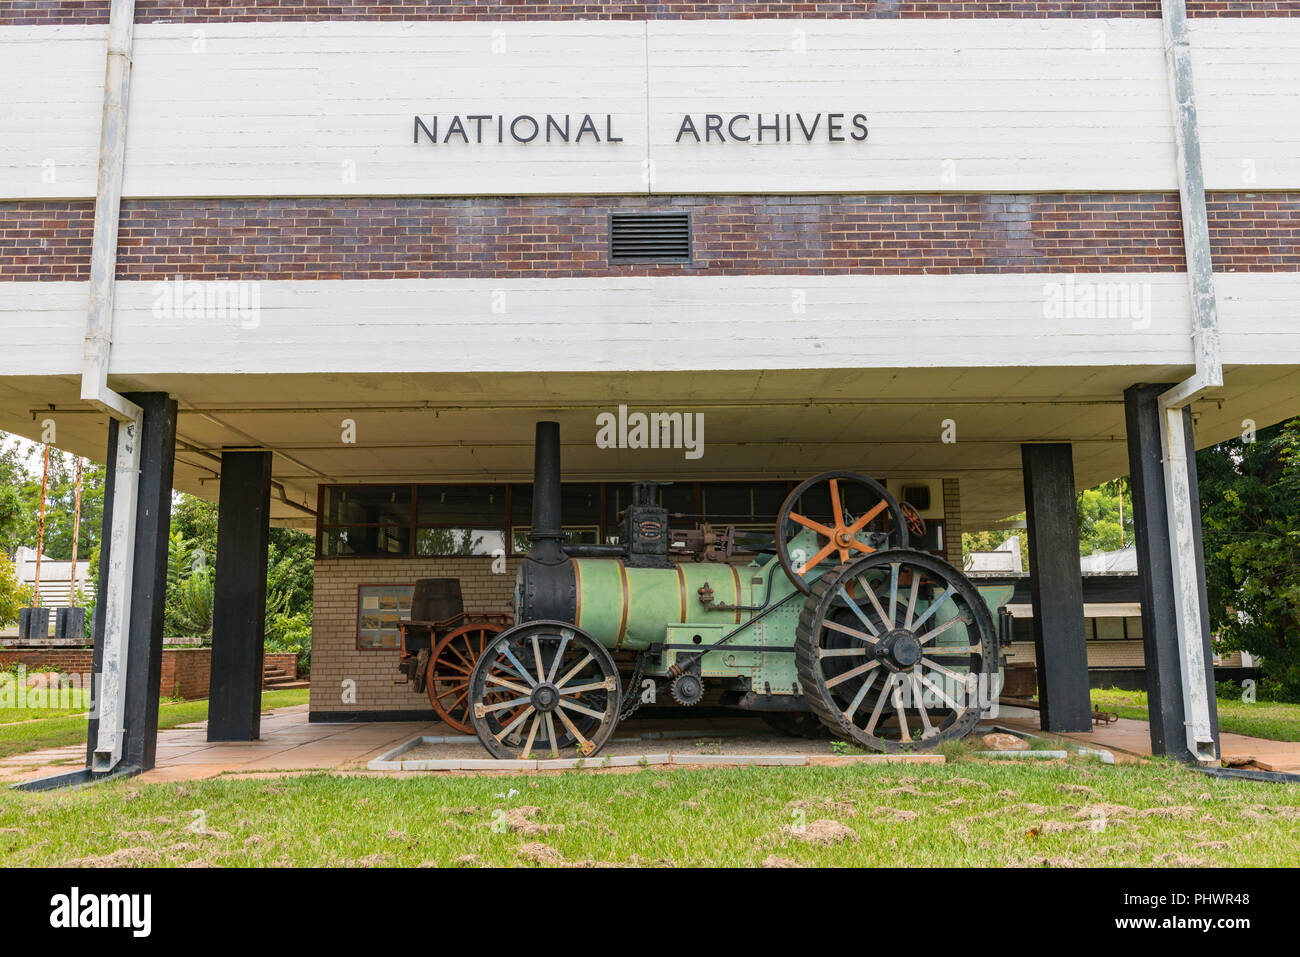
(287, 685)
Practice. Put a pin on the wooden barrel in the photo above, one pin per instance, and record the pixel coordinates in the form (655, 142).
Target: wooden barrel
(436, 599)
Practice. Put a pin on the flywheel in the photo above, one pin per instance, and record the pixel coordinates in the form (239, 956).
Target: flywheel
(835, 516)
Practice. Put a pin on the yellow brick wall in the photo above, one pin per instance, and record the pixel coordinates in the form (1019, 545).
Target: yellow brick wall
(334, 654)
(1101, 653)
(952, 520)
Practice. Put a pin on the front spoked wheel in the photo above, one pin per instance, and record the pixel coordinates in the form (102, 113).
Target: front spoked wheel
(544, 689)
(897, 652)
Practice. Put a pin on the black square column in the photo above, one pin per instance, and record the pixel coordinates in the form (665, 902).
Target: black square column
(1164, 667)
(239, 604)
(1056, 585)
(153, 515)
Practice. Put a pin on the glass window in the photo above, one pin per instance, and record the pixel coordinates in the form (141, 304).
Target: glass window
(579, 511)
(376, 540)
(1109, 629)
(742, 504)
(461, 505)
(367, 505)
(459, 541)
(460, 519)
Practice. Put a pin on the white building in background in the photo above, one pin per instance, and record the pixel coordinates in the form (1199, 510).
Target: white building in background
(1005, 558)
(57, 582)
(1119, 561)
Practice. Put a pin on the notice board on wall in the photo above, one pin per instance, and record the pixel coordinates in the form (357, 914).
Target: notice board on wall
(379, 609)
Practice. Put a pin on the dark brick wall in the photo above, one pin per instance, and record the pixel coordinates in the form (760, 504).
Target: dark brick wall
(556, 237)
(46, 241)
(219, 11)
(1256, 232)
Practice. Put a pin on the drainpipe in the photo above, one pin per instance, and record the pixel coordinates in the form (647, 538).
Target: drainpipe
(111, 697)
(1208, 375)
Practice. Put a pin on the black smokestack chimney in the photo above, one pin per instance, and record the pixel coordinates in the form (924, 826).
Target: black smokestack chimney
(546, 536)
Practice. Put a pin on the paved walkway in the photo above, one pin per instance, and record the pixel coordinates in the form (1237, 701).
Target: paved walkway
(290, 743)
(1132, 737)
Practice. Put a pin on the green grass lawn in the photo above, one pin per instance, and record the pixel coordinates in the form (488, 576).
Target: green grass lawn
(77, 699)
(1275, 720)
(26, 729)
(966, 813)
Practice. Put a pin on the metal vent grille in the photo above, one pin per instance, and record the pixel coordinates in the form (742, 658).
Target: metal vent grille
(649, 237)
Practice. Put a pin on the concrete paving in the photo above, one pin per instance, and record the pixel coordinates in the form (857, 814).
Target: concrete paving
(1132, 737)
(292, 744)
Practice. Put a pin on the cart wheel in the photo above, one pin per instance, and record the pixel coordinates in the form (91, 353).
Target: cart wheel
(905, 661)
(544, 688)
(450, 666)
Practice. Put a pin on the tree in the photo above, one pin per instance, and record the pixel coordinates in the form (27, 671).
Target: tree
(13, 594)
(190, 604)
(196, 522)
(1250, 516)
(13, 506)
(192, 568)
(1105, 517)
(20, 500)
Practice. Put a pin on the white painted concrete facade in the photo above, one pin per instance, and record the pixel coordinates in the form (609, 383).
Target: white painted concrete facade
(326, 109)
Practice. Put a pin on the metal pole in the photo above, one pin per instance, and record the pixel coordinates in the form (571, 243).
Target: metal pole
(1200, 732)
(1121, 512)
(76, 532)
(120, 547)
(40, 525)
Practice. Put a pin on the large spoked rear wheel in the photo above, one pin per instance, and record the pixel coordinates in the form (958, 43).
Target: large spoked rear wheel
(897, 652)
(544, 689)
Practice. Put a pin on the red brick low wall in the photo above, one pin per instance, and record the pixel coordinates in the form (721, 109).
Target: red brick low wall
(186, 672)
(69, 661)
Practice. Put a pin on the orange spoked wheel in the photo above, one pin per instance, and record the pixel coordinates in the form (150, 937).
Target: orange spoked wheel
(832, 518)
(450, 666)
(915, 523)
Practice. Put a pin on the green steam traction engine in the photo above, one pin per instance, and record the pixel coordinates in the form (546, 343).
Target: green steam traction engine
(839, 624)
